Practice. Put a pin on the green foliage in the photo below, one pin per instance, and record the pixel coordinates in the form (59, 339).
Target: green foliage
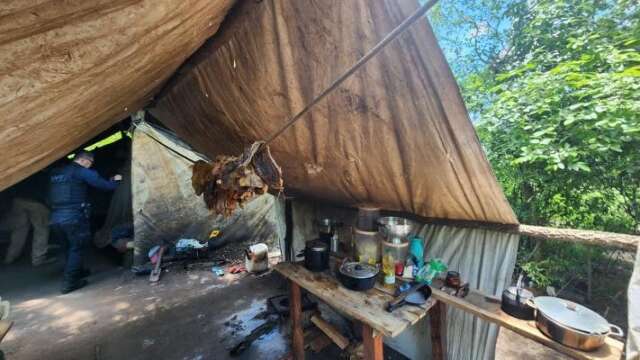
(558, 109)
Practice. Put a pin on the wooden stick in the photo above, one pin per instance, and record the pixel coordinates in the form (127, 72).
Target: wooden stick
(589, 237)
(624, 241)
(330, 331)
(372, 343)
(437, 318)
(295, 312)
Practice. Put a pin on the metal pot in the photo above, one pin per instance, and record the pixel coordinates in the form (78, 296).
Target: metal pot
(515, 303)
(572, 324)
(358, 276)
(316, 256)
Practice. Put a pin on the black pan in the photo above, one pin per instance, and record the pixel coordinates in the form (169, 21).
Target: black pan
(417, 296)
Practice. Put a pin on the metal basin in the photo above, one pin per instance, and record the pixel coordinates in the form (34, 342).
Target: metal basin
(395, 229)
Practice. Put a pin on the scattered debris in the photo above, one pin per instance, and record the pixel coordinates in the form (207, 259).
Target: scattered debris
(184, 245)
(231, 181)
(154, 277)
(218, 270)
(262, 329)
(280, 304)
(147, 342)
(237, 269)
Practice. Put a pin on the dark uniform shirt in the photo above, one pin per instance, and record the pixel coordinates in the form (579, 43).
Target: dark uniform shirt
(68, 192)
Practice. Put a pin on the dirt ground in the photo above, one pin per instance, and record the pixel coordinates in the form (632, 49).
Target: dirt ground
(189, 315)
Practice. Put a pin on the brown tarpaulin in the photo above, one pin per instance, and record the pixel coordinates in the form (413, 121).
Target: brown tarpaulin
(70, 69)
(395, 134)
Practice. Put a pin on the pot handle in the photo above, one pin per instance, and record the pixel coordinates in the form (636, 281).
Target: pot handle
(530, 303)
(616, 331)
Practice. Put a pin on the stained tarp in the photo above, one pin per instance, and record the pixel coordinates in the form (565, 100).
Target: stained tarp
(70, 69)
(166, 209)
(395, 134)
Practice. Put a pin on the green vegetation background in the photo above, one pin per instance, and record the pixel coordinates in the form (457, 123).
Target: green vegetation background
(553, 88)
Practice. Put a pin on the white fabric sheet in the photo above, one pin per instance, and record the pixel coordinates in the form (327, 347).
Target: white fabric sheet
(633, 338)
(486, 260)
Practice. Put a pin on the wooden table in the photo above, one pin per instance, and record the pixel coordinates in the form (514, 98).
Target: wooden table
(488, 308)
(367, 307)
(5, 325)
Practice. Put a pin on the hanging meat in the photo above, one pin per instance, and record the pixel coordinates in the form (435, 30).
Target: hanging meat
(231, 181)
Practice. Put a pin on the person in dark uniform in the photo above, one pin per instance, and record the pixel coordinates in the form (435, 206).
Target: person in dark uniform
(70, 212)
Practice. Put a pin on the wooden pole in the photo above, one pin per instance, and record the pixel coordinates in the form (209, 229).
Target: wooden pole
(589, 237)
(295, 312)
(372, 343)
(438, 318)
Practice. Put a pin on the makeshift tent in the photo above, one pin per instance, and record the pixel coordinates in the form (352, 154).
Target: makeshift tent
(71, 69)
(395, 134)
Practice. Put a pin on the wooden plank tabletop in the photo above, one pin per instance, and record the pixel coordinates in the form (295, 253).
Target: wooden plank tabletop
(5, 325)
(365, 306)
(480, 305)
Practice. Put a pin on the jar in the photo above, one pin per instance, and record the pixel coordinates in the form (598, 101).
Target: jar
(368, 218)
(367, 246)
(394, 256)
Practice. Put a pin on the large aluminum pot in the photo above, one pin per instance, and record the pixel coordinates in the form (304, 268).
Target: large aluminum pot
(572, 324)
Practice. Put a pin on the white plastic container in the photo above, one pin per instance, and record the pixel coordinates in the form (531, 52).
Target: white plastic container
(257, 258)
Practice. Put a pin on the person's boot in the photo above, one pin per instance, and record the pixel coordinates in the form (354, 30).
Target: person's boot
(45, 261)
(72, 286)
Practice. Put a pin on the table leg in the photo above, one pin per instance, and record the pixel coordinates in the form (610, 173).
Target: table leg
(295, 312)
(372, 343)
(438, 316)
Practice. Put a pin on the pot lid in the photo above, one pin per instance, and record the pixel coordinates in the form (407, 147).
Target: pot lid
(358, 270)
(514, 291)
(317, 245)
(572, 315)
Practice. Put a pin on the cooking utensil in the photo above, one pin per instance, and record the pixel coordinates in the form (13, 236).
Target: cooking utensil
(326, 229)
(453, 279)
(514, 303)
(395, 229)
(572, 324)
(357, 276)
(418, 295)
(316, 255)
(335, 243)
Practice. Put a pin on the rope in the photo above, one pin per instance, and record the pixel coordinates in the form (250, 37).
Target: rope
(136, 125)
(363, 60)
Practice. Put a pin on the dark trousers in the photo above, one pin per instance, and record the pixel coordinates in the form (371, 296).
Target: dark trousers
(75, 237)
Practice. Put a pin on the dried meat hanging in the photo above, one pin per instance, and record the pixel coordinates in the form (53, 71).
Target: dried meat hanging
(231, 181)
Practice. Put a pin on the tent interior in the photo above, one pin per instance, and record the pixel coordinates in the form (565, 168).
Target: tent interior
(181, 82)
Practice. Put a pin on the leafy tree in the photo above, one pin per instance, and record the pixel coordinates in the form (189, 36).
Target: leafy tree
(554, 87)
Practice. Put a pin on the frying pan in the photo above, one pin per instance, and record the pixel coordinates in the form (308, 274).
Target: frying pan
(416, 296)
